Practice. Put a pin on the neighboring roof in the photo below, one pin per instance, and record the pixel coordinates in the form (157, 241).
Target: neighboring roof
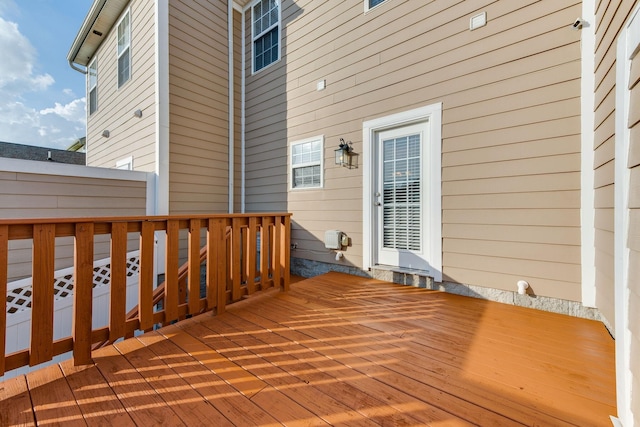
(96, 26)
(30, 152)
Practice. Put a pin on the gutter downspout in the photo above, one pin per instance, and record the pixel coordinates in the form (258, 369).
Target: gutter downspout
(231, 104)
(243, 122)
(73, 66)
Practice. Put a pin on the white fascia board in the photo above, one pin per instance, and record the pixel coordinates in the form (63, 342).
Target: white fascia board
(63, 169)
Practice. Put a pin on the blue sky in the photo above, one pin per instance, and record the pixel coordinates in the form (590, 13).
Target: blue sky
(42, 100)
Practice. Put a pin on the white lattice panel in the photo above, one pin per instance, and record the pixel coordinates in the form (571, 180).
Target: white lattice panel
(19, 293)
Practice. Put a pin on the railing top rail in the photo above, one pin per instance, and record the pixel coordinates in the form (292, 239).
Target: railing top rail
(105, 219)
(65, 227)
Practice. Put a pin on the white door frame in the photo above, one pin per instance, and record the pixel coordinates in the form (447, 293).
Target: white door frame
(433, 228)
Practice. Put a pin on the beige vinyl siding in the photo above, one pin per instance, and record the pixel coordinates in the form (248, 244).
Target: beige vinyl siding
(129, 135)
(53, 194)
(198, 107)
(610, 17)
(511, 127)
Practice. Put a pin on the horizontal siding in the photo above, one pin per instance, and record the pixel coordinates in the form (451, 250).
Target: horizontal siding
(610, 17)
(35, 195)
(198, 93)
(129, 135)
(511, 126)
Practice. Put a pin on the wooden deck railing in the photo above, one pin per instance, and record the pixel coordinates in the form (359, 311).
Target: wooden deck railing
(244, 253)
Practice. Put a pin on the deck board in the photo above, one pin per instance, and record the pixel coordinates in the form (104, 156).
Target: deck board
(338, 350)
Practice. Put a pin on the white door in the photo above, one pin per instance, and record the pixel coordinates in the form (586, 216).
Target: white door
(400, 197)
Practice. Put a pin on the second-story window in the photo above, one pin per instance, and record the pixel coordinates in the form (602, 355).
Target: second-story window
(374, 3)
(124, 49)
(93, 86)
(266, 33)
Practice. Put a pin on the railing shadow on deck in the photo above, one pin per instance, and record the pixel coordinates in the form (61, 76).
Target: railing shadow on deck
(242, 253)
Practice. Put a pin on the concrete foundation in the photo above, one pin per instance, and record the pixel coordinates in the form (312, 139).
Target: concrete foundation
(309, 268)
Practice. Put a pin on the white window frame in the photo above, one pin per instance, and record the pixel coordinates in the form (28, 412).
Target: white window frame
(90, 88)
(125, 164)
(126, 49)
(368, 2)
(320, 163)
(255, 37)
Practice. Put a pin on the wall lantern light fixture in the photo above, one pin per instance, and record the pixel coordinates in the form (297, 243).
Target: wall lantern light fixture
(345, 156)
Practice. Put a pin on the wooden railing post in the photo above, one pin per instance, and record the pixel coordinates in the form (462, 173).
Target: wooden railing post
(236, 266)
(145, 298)
(194, 266)
(276, 255)
(42, 297)
(264, 251)
(4, 257)
(285, 252)
(251, 254)
(118, 303)
(171, 292)
(83, 293)
(217, 264)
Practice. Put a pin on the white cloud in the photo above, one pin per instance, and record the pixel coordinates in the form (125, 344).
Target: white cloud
(57, 126)
(75, 111)
(18, 60)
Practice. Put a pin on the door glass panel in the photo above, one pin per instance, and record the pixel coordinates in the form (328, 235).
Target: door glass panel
(401, 193)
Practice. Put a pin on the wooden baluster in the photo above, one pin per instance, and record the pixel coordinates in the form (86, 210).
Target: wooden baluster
(211, 272)
(145, 298)
(194, 266)
(285, 252)
(264, 252)
(42, 297)
(236, 266)
(4, 251)
(171, 292)
(83, 293)
(250, 254)
(276, 254)
(118, 283)
(217, 265)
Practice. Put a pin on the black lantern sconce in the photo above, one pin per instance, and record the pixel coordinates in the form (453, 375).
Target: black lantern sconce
(345, 156)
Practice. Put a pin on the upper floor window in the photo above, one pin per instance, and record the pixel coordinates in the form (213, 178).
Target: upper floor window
(265, 17)
(306, 163)
(93, 86)
(124, 49)
(373, 3)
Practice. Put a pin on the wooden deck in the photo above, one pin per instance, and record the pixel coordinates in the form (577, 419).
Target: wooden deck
(337, 350)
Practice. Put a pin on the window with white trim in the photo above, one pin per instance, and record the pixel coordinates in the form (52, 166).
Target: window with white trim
(92, 84)
(125, 164)
(370, 4)
(306, 163)
(265, 19)
(124, 49)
